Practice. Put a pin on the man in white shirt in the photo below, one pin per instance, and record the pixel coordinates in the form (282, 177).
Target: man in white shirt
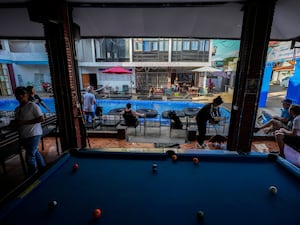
(28, 118)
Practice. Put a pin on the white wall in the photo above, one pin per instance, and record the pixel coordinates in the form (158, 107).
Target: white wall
(25, 73)
(109, 80)
(116, 81)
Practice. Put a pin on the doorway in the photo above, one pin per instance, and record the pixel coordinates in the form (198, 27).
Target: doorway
(89, 79)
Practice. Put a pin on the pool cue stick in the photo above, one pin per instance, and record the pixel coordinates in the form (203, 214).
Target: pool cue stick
(83, 122)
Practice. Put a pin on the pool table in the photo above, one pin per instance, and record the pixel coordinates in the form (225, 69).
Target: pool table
(229, 188)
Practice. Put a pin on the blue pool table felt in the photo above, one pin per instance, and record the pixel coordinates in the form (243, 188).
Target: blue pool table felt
(228, 188)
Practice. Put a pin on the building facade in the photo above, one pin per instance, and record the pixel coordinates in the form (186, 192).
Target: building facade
(156, 62)
(23, 63)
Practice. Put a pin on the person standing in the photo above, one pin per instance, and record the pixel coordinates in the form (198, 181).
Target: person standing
(207, 113)
(89, 102)
(211, 86)
(151, 92)
(33, 97)
(28, 118)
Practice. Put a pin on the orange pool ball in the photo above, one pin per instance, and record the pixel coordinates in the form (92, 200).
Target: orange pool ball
(174, 157)
(195, 160)
(97, 213)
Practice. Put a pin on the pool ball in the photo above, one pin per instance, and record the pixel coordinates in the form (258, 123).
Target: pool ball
(195, 160)
(154, 167)
(170, 152)
(273, 189)
(174, 157)
(52, 205)
(200, 214)
(75, 166)
(97, 213)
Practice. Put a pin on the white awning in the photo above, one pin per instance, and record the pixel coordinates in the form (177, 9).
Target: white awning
(202, 19)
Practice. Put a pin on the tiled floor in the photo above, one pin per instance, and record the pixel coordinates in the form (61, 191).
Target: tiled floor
(15, 174)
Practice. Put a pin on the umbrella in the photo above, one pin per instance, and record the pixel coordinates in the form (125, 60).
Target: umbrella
(117, 70)
(206, 69)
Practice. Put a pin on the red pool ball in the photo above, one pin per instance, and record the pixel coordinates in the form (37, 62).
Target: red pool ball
(75, 166)
(195, 160)
(97, 213)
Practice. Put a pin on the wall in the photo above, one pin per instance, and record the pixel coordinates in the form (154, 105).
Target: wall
(25, 73)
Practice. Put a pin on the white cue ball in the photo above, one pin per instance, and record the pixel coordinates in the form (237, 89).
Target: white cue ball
(273, 189)
(200, 214)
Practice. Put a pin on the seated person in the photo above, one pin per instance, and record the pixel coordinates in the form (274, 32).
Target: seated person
(130, 116)
(278, 122)
(151, 91)
(175, 121)
(283, 133)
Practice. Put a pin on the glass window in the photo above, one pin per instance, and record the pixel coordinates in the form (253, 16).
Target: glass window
(194, 45)
(146, 46)
(174, 45)
(207, 45)
(100, 48)
(138, 45)
(161, 45)
(154, 46)
(186, 45)
(179, 45)
(202, 46)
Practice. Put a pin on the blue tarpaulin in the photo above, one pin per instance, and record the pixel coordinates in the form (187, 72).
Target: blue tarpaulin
(265, 85)
(293, 91)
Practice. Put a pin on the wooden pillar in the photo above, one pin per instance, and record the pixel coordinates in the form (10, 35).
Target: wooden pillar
(257, 22)
(56, 17)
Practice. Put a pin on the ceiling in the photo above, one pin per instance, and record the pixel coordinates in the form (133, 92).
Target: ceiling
(149, 18)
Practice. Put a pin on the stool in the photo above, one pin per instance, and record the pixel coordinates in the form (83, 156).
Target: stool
(191, 133)
(121, 131)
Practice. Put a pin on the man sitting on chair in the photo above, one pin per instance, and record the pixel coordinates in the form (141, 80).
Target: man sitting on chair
(277, 122)
(176, 123)
(130, 116)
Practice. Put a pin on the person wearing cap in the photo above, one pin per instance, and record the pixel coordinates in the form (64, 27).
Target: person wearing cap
(28, 118)
(292, 135)
(278, 122)
(208, 112)
(89, 102)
